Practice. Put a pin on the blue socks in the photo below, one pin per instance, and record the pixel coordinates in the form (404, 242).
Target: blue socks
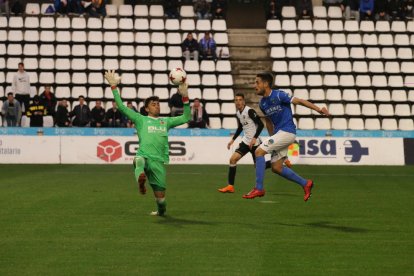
(292, 176)
(260, 171)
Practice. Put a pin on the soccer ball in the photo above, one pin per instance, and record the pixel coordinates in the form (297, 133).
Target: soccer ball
(177, 76)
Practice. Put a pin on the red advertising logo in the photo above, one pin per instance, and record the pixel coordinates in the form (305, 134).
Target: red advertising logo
(109, 150)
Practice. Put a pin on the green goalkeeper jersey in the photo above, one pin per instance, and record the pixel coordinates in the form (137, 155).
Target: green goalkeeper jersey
(152, 132)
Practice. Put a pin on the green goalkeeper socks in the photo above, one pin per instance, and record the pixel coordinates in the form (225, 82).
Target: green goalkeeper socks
(139, 164)
(162, 206)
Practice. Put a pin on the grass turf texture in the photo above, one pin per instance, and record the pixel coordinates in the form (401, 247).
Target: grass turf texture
(88, 219)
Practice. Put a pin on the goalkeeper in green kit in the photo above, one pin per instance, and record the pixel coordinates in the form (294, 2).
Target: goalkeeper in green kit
(152, 130)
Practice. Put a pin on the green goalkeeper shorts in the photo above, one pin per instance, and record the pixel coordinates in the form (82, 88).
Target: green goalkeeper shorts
(156, 174)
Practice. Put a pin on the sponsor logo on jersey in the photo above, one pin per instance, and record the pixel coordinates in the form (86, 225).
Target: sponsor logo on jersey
(157, 129)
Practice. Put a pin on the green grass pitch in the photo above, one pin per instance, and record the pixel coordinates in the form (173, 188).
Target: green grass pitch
(90, 219)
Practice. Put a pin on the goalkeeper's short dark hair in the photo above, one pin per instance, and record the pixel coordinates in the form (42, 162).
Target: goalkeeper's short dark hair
(151, 99)
(266, 77)
(239, 95)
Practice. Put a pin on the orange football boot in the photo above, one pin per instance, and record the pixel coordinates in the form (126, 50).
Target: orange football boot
(228, 189)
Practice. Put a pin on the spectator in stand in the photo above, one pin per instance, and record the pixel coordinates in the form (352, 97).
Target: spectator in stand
(408, 9)
(202, 9)
(351, 9)
(366, 10)
(329, 3)
(190, 47)
(171, 8)
(98, 115)
(219, 8)
(11, 111)
(304, 9)
(176, 104)
(21, 87)
(95, 8)
(142, 111)
(113, 116)
(35, 112)
(82, 113)
(208, 47)
(4, 7)
(199, 116)
(48, 99)
(380, 10)
(66, 6)
(125, 121)
(394, 9)
(62, 114)
(273, 9)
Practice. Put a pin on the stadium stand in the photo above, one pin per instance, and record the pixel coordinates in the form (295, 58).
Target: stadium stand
(71, 53)
(363, 71)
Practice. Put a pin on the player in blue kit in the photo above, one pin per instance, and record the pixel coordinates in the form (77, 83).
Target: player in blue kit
(275, 105)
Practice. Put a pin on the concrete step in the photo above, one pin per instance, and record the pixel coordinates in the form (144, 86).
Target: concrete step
(248, 37)
(250, 67)
(249, 53)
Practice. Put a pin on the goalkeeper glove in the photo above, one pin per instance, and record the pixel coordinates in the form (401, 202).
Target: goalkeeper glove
(183, 91)
(112, 78)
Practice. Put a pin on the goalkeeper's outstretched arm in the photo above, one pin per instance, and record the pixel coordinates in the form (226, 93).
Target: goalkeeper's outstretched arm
(113, 80)
(179, 120)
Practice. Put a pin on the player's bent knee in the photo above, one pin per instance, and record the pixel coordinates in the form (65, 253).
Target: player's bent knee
(139, 161)
(277, 168)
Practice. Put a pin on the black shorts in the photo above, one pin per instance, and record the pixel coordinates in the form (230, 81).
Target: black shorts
(243, 149)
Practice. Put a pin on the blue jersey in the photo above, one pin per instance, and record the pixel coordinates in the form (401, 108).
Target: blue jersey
(276, 107)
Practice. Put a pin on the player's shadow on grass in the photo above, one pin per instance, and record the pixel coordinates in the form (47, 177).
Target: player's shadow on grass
(179, 222)
(329, 226)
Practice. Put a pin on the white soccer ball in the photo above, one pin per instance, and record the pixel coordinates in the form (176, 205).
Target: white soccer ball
(177, 76)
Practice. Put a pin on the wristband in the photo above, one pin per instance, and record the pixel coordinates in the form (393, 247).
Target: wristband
(113, 87)
(186, 100)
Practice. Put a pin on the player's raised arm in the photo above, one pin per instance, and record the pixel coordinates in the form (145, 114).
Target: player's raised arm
(113, 80)
(182, 119)
(322, 111)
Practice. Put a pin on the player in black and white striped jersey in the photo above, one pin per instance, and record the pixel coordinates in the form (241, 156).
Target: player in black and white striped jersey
(248, 122)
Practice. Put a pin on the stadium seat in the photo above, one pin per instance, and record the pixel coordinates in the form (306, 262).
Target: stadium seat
(336, 109)
(402, 110)
(209, 80)
(63, 37)
(319, 12)
(389, 124)
(158, 38)
(174, 52)
(210, 94)
(339, 124)
(203, 25)
(192, 92)
(273, 25)
(158, 52)
(229, 123)
(141, 24)
(141, 11)
(215, 123)
(125, 10)
(111, 10)
(162, 93)
(187, 11)
(94, 23)
(406, 124)
(306, 123)
(213, 108)
(322, 123)
(226, 94)
(78, 91)
(288, 12)
(356, 124)
(156, 11)
(47, 64)
(174, 63)
(305, 25)
(398, 27)
(399, 96)
(156, 24)
(172, 24)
